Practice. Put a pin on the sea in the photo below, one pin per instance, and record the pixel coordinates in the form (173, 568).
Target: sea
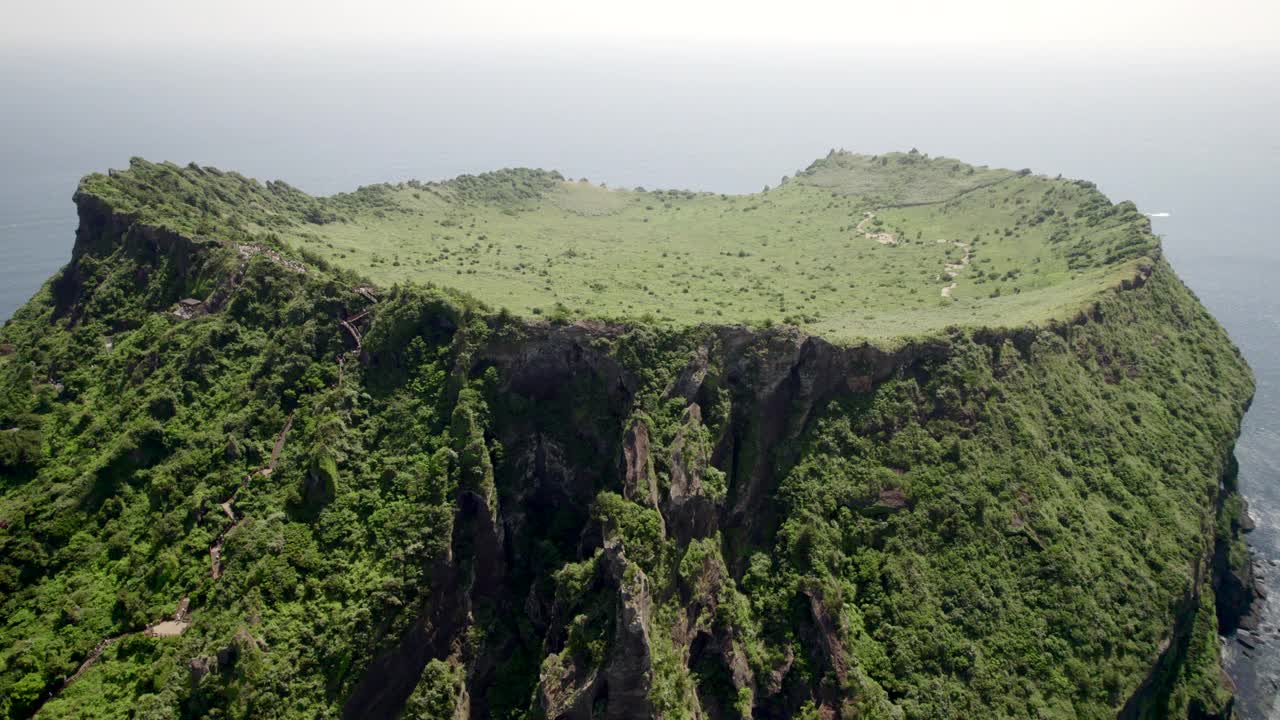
(1193, 139)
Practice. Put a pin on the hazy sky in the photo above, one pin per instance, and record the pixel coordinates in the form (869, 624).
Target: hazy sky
(1220, 27)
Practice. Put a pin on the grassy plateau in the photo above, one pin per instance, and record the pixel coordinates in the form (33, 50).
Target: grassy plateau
(853, 247)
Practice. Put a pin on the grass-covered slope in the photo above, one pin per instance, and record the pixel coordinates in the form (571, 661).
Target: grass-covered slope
(853, 247)
(380, 501)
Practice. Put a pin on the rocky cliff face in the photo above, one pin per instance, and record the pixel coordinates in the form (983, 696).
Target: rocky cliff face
(477, 516)
(741, 404)
(563, 454)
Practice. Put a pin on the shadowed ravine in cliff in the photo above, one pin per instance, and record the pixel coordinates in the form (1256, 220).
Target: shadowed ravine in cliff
(782, 376)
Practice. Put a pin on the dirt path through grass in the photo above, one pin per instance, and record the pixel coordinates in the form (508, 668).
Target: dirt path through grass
(952, 270)
(949, 270)
(883, 238)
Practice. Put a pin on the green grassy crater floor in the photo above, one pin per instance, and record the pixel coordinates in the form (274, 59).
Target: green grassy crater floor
(854, 246)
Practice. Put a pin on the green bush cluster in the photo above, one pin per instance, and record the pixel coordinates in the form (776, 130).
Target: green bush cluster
(131, 426)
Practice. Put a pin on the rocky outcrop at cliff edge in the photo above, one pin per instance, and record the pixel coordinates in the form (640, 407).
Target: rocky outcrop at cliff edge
(102, 232)
(480, 516)
(1235, 586)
